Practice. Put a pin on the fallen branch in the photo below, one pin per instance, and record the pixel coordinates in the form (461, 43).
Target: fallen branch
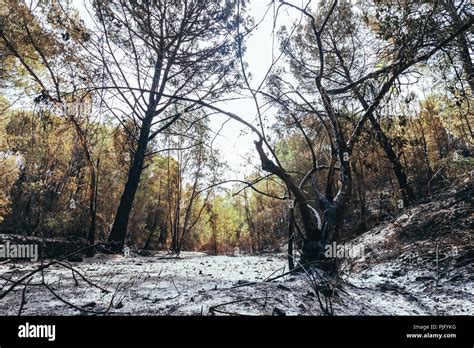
(71, 304)
(83, 277)
(40, 269)
(214, 309)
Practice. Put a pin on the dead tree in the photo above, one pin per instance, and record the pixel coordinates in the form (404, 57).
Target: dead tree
(157, 52)
(322, 228)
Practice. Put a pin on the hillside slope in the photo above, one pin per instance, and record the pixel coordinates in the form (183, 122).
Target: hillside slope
(423, 260)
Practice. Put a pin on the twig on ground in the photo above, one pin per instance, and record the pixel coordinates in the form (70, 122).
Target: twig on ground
(214, 309)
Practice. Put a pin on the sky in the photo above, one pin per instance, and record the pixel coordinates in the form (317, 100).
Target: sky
(234, 145)
(258, 56)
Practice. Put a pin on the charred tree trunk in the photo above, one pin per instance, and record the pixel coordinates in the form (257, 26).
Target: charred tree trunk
(163, 235)
(176, 228)
(152, 228)
(358, 171)
(408, 195)
(291, 233)
(214, 234)
(93, 185)
(312, 249)
(119, 229)
(248, 215)
(146, 246)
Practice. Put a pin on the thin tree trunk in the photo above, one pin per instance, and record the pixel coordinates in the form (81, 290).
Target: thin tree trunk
(253, 241)
(291, 233)
(189, 208)
(163, 235)
(92, 186)
(408, 195)
(152, 227)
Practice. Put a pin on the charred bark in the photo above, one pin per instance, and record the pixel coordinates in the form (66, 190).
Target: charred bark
(408, 195)
(291, 235)
(119, 229)
(312, 249)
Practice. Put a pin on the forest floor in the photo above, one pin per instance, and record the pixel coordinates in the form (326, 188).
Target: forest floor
(420, 263)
